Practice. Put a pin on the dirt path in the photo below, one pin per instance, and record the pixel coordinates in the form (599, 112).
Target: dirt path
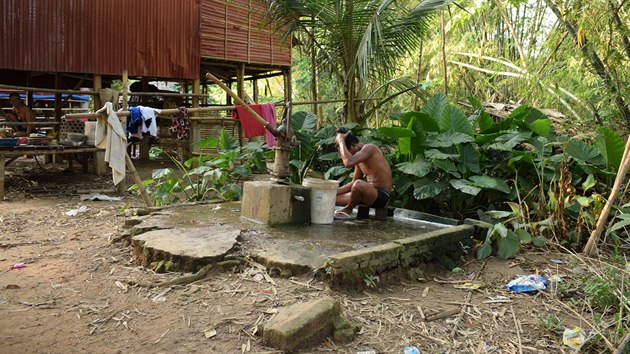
(78, 293)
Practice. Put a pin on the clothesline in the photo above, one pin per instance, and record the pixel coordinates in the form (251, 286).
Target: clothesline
(162, 114)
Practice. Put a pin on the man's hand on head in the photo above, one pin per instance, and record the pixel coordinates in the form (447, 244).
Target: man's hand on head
(341, 137)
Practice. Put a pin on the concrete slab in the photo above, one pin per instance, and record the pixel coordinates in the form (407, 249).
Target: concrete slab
(186, 246)
(296, 248)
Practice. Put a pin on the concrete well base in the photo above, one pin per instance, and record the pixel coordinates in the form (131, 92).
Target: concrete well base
(275, 204)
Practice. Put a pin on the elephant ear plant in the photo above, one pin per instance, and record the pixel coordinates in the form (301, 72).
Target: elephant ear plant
(540, 184)
(209, 176)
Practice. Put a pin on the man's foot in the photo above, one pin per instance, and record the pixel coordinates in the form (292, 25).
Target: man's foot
(343, 216)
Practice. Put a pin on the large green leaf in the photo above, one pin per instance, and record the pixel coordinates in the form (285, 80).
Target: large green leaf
(303, 121)
(454, 120)
(485, 250)
(438, 155)
(519, 113)
(507, 142)
(435, 106)
(533, 115)
(396, 132)
(468, 158)
(447, 166)
(583, 152)
(541, 126)
(483, 139)
(447, 139)
(335, 171)
(610, 146)
(428, 123)
(227, 141)
(331, 156)
(488, 182)
(484, 121)
(508, 246)
(465, 186)
(429, 190)
(418, 168)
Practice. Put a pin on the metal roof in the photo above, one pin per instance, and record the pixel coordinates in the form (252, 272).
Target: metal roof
(157, 38)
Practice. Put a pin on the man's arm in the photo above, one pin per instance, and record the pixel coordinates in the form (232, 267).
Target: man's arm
(346, 188)
(350, 160)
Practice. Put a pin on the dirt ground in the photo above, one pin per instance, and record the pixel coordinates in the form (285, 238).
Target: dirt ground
(76, 293)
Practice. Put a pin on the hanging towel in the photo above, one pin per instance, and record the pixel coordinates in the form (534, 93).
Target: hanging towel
(149, 119)
(269, 114)
(251, 127)
(110, 135)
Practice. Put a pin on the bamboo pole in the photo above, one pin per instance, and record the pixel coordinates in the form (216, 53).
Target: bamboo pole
(238, 100)
(591, 245)
(138, 181)
(125, 89)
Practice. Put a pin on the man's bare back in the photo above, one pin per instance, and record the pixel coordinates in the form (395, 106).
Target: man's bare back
(368, 161)
(376, 169)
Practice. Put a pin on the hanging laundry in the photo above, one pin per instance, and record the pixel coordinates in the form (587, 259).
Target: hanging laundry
(251, 127)
(134, 121)
(269, 115)
(181, 124)
(149, 119)
(110, 135)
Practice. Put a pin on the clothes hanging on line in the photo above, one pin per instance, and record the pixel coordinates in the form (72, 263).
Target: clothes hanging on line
(251, 127)
(134, 122)
(181, 124)
(150, 120)
(269, 115)
(110, 135)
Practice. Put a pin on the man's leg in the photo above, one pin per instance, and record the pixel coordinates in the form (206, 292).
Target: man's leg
(360, 193)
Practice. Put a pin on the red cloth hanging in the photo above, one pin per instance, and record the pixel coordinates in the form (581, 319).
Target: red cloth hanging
(251, 127)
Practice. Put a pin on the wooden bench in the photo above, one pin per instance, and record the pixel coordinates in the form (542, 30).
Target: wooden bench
(14, 152)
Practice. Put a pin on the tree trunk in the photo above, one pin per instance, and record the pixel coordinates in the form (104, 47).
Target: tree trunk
(621, 28)
(444, 54)
(415, 97)
(595, 61)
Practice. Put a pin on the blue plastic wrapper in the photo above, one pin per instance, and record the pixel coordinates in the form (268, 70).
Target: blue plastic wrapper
(412, 350)
(527, 283)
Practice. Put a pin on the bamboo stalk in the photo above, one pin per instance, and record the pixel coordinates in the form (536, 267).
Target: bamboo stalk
(138, 181)
(591, 245)
(517, 42)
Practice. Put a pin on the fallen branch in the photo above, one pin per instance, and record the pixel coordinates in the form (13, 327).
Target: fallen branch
(443, 314)
(187, 278)
(591, 245)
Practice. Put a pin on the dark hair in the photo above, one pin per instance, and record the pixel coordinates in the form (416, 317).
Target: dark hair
(350, 139)
(15, 94)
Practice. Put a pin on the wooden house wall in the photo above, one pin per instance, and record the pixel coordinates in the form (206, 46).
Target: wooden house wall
(232, 30)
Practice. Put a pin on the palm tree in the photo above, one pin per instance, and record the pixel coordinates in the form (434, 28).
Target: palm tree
(360, 41)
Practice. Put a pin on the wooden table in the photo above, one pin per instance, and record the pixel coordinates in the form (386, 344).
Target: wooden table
(13, 152)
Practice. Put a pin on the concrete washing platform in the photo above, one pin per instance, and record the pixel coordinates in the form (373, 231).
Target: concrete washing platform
(187, 237)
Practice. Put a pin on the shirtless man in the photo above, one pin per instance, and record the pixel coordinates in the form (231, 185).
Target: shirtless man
(368, 161)
(20, 113)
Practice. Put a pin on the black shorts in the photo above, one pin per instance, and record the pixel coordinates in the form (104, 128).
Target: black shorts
(381, 200)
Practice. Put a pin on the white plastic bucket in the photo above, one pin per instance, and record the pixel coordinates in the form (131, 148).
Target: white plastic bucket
(323, 195)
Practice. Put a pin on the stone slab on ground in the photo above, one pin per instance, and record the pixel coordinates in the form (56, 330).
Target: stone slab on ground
(186, 246)
(301, 325)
